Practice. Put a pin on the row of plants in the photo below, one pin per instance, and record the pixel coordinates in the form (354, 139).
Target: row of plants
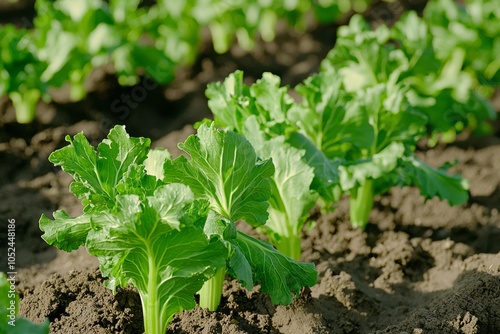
(449, 84)
(168, 226)
(333, 142)
(470, 32)
(353, 128)
(71, 38)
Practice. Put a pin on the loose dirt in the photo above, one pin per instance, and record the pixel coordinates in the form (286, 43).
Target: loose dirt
(420, 267)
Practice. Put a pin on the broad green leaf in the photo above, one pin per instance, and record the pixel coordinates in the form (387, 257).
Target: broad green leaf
(224, 229)
(355, 173)
(137, 182)
(329, 117)
(169, 203)
(104, 37)
(240, 268)
(77, 8)
(391, 117)
(412, 32)
(224, 169)
(271, 99)
(291, 197)
(326, 174)
(65, 232)
(155, 161)
(56, 51)
(97, 174)
(232, 102)
(436, 182)
(152, 246)
(123, 9)
(279, 275)
(362, 56)
(229, 101)
(163, 69)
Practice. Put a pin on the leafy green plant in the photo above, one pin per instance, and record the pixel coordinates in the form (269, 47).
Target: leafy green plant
(405, 54)
(225, 170)
(70, 39)
(241, 20)
(9, 302)
(292, 197)
(165, 226)
(233, 102)
(449, 96)
(361, 141)
(371, 134)
(75, 37)
(302, 173)
(472, 27)
(143, 232)
(20, 72)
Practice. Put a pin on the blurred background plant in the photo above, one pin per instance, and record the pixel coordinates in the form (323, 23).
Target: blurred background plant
(71, 38)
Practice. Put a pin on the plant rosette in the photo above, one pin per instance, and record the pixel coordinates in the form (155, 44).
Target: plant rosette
(158, 224)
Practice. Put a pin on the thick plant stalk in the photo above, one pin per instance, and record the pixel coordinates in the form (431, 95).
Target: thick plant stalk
(77, 92)
(361, 204)
(284, 235)
(77, 88)
(211, 291)
(25, 105)
(151, 308)
(290, 246)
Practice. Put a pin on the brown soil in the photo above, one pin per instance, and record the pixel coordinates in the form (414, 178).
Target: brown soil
(420, 267)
